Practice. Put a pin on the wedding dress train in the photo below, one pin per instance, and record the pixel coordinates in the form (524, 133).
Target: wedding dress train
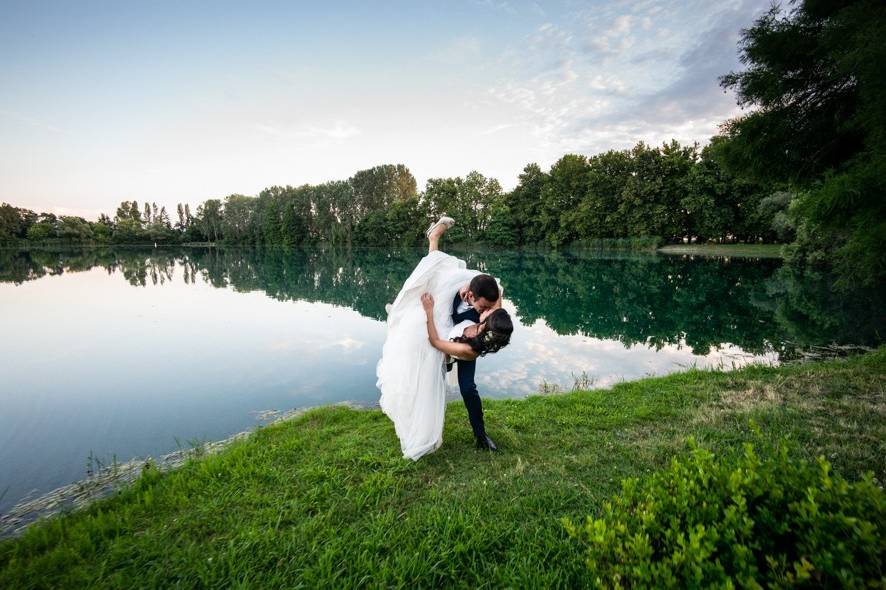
(411, 374)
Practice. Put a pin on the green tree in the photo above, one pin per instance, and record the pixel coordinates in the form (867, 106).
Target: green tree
(816, 77)
(14, 223)
(181, 225)
(73, 229)
(134, 213)
(210, 219)
(502, 229)
(597, 215)
(237, 218)
(103, 229)
(44, 229)
(562, 193)
(524, 203)
(378, 188)
(467, 199)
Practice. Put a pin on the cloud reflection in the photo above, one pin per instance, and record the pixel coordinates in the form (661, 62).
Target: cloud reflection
(538, 355)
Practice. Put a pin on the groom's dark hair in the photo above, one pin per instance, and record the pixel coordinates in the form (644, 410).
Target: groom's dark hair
(484, 286)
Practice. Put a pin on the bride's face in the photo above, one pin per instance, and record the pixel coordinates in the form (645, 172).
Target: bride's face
(472, 330)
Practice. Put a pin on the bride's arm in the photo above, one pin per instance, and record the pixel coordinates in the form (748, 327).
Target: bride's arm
(459, 349)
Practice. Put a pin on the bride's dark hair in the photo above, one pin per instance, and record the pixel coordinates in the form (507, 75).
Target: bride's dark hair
(496, 335)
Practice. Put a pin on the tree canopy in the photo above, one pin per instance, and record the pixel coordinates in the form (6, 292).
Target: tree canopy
(670, 193)
(815, 80)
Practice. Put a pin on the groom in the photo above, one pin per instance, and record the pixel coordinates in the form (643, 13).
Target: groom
(480, 295)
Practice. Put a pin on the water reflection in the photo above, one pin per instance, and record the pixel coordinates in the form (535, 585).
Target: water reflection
(96, 360)
(704, 303)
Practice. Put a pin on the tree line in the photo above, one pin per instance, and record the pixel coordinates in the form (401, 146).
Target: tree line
(673, 192)
(804, 166)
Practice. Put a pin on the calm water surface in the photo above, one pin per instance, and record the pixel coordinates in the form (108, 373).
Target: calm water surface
(132, 352)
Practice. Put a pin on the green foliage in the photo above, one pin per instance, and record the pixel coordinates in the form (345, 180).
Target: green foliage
(673, 191)
(42, 231)
(468, 200)
(74, 229)
(14, 223)
(774, 209)
(502, 228)
(380, 187)
(326, 500)
(752, 521)
(816, 76)
(617, 198)
(402, 224)
(209, 216)
(653, 301)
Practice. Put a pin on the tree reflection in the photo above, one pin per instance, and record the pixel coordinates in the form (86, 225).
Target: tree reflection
(755, 304)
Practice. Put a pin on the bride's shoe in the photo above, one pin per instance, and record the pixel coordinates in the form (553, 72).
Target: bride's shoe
(447, 221)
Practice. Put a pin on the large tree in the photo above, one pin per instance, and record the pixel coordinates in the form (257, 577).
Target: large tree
(816, 82)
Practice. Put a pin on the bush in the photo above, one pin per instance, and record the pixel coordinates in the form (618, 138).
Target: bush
(738, 522)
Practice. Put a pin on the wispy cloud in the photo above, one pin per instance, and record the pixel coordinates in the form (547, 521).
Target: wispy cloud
(348, 343)
(615, 39)
(338, 130)
(607, 79)
(502, 5)
(496, 128)
(526, 82)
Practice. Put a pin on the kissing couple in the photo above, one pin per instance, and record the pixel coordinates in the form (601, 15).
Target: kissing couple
(445, 315)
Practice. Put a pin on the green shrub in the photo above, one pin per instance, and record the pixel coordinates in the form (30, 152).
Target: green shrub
(741, 521)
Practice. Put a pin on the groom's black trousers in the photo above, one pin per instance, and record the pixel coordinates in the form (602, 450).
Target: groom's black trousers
(471, 397)
(466, 370)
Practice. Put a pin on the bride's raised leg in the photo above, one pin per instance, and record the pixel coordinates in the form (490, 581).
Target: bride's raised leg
(436, 232)
(434, 238)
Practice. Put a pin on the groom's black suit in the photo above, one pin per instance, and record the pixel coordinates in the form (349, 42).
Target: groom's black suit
(466, 370)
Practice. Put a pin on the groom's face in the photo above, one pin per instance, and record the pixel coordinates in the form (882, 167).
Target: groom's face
(481, 304)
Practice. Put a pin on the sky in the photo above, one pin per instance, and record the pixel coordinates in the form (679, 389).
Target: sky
(175, 102)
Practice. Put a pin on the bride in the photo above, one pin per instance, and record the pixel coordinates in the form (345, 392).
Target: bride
(411, 372)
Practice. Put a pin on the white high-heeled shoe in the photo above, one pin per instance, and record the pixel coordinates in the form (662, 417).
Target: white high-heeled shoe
(447, 221)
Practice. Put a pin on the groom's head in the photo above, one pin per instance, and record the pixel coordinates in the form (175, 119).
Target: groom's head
(483, 292)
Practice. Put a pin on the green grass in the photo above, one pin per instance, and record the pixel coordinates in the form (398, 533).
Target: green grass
(749, 250)
(636, 244)
(326, 500)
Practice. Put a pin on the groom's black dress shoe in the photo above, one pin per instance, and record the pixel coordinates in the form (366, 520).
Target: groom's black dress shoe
(485, 442)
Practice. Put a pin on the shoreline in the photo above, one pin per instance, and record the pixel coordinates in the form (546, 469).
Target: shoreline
(730, 250)
(109, 479)
(326, 498)
(80, 494)
(726, 250)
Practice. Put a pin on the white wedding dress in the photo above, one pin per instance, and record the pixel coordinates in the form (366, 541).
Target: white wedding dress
(411, 374)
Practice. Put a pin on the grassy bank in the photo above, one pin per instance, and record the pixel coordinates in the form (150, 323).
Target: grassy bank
(749, 250)
(326, 501)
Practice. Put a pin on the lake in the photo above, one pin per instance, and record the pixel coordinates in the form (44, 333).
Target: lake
(133, 352)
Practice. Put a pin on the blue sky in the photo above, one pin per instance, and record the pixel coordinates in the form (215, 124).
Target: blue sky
(182, 101)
